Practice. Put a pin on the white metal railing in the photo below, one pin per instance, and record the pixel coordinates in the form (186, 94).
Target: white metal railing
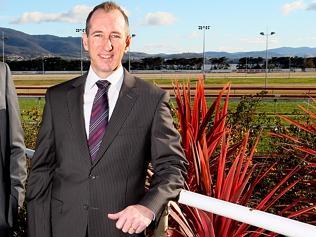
(29, 153)
(268, 221)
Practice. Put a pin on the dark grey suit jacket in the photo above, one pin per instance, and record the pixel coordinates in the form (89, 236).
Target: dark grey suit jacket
(67, 194)
(12, 152)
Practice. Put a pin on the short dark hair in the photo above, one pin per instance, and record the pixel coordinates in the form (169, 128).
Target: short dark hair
(107, 7)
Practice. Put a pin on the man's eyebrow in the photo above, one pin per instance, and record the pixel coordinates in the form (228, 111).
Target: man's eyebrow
(96, 32)
(101, 32)
(116, 32)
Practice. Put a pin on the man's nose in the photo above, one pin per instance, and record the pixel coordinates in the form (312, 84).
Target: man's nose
(108, 44)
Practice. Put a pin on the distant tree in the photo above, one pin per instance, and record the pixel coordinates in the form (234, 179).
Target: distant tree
(297, 62)
(48, 64)
(310, 63)
(159, 63)
(220, 63)
(242, 63)
(152, 63)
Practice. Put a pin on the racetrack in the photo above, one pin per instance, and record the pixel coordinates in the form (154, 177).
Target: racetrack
(278, 84)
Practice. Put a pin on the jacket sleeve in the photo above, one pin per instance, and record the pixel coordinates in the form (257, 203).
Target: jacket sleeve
(167, 158)
(18, 170)
(38, 194)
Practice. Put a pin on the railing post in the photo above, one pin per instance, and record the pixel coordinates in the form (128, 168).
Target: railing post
(161, 230)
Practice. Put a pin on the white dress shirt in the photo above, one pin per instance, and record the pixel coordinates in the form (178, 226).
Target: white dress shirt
(90, 90)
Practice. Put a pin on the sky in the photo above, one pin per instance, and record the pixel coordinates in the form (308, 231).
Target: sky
(171, 26)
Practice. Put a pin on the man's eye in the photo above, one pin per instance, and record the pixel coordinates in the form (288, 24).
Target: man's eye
(115, 36)
(97, 35)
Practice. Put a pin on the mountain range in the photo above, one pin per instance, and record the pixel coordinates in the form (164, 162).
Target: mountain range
(19, 45)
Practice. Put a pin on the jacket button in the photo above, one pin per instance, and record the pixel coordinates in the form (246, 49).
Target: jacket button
(85, 206)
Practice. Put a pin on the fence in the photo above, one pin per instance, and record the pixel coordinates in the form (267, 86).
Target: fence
(236, 91)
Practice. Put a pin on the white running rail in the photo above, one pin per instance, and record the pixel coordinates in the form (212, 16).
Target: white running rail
(29, 153)
(277, 224)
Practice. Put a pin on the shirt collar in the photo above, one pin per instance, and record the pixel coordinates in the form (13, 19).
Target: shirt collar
(116, 78)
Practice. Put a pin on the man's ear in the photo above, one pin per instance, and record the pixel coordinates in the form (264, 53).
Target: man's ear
(127, 42)
(85, 41)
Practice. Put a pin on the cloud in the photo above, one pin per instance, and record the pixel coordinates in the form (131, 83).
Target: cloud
(311, 6)
(159, 18)
(77, 14)
(293, 6)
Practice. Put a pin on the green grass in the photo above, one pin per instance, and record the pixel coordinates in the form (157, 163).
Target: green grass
(27, 104)
(261, 81)
(270, 107)
(37, 82)
(208, 81)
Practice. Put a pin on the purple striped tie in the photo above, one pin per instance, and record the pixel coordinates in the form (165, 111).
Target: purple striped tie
(99, 117)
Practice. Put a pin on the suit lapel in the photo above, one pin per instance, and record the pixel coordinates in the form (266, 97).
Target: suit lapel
(123, 107)
(75, 108)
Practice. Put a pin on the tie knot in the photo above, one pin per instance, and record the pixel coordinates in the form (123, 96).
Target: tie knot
(103, 84)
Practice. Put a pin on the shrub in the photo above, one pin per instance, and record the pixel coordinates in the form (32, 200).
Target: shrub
(295, 143)
(221, 168)
(31, 120)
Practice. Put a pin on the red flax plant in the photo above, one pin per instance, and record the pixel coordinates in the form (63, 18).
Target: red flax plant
(301, 145)
(217, 168)
(306, 148)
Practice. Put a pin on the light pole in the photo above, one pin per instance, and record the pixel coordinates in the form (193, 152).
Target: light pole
(289, 66)
(81, 64)
(3, 39)
(129, 54)
(204, 28)
(43, 65)
(267, 40)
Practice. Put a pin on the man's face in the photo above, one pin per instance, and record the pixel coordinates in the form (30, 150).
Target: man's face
(107, 41)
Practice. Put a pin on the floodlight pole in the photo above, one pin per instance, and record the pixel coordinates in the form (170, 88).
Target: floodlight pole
(43, 65)
(204, 28)
(129, 54)
(81, 63)
(267, 40)
(3, 39)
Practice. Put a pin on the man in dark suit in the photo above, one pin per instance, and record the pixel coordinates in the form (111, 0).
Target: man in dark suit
(12, 153)
(98, 135)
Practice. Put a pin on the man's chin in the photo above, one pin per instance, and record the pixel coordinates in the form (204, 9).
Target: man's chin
(105, 72)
